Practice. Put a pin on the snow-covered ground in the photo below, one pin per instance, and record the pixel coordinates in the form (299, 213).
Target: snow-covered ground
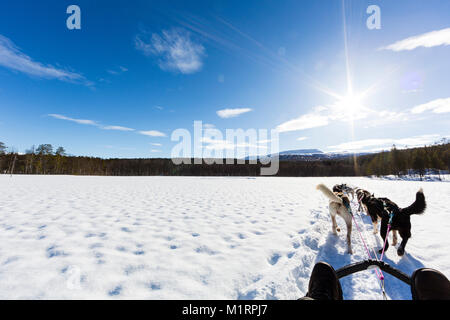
(416, 177)
(68, 237)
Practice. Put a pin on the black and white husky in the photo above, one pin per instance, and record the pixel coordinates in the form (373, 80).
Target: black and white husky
(363, 195)
(400, 218)
(339, 205)
(344, 188)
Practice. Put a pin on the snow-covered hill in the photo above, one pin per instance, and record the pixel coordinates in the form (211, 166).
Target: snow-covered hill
(307, 155)
(304, 152)
(69, 237)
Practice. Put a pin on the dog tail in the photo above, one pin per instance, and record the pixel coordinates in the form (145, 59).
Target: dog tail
(328, 193)
(419, 206)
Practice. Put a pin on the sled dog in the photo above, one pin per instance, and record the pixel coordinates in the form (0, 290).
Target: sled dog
(344, 188)
(361, 195)
(339, 205)
(400, 218)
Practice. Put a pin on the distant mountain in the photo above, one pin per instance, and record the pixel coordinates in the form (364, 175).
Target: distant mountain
(301, 152)
(309, 155)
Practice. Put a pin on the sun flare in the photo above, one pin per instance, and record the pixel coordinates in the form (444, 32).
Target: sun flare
(350, 104)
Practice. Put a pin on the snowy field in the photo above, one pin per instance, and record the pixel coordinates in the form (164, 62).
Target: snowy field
(68, 237)
(427, 177)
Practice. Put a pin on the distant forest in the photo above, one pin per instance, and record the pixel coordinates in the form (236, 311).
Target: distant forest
(45, 160)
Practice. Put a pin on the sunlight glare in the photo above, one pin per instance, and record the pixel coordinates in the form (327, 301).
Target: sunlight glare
(350, 103)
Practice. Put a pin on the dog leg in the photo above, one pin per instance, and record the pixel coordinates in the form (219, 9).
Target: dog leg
(405, 234)
(394, 237)
(383, 231)
(334, 227)
(375, 226)
(349, 237)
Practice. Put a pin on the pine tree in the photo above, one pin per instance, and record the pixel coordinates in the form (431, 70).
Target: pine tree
(2, 148)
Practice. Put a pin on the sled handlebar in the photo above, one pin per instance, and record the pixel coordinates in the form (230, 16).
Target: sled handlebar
(366, 264)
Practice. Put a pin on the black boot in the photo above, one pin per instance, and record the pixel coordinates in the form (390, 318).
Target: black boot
(429, 284)
(324, 283)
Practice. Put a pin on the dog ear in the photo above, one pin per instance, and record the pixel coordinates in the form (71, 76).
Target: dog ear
(373, 195)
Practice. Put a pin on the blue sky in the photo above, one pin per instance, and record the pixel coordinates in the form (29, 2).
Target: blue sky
(138, 70)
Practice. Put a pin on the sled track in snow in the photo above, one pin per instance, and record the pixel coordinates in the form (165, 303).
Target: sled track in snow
(317, 243)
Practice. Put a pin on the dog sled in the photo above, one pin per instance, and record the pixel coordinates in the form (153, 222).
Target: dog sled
(371, 264)
(425, 283)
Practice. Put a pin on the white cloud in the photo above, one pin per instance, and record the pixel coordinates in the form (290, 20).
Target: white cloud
(116, 72)
(427, 40)
(220, 144)
(306, 121)
(339, 111)
(152, 133)
(208, 126)
(418, 140)
(385, 143)
(360, 144)
(119, 128)
(384, 117)
(217, 144)
(156, 144)
(265, 141)
(230, 113)
(435, 106)
(79, 121)
(89, 122)
(155, 150)
(12, 58)
(176, 49)
(302, 138)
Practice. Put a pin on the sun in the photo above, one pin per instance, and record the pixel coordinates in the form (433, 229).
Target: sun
(350, 104)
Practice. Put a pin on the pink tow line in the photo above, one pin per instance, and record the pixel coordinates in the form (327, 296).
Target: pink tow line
(385, 240)
(377, 271)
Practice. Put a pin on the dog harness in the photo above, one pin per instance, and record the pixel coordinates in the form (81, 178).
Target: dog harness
(391, 217)
(348, 208)
(389, 212)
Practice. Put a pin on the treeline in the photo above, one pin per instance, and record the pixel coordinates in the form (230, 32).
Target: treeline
(45, 160)
(407, 161)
